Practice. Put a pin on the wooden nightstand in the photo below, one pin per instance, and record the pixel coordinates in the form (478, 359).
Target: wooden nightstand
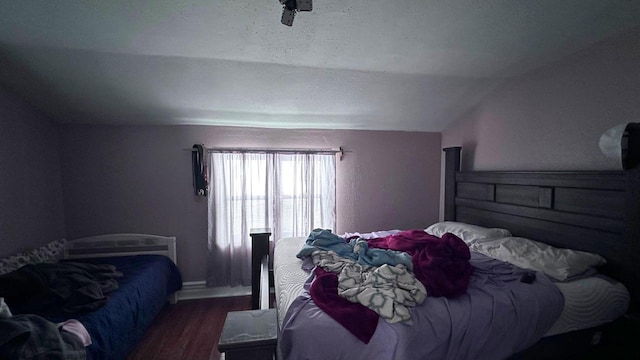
(249, 335)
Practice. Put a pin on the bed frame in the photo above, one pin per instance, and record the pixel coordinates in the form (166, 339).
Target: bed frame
(594, 211)
(123, 245)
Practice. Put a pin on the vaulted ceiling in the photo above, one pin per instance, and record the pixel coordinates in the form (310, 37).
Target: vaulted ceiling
(413, 65)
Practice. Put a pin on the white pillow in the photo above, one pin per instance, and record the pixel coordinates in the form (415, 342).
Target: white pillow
(560, 264)
(468, 233)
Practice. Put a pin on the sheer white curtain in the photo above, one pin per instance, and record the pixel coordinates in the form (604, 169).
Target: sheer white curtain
(290, 193)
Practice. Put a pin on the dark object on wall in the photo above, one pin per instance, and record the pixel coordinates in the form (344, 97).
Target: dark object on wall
(200, 184)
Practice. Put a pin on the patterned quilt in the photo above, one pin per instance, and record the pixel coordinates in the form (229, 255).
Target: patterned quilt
(388, 290)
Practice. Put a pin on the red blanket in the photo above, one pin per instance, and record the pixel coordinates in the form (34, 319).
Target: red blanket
(441, 264)
(358, 319)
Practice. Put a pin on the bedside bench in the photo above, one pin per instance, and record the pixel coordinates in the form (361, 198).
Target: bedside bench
(250, 334)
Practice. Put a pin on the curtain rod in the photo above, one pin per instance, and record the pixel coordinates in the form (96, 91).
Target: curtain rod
(339, 151)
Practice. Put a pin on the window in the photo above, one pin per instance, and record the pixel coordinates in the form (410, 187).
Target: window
(289, 193)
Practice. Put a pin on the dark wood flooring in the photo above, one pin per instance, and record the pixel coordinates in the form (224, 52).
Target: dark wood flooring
(188, 330)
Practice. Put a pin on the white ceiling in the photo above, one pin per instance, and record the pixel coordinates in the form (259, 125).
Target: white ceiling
(352, 64)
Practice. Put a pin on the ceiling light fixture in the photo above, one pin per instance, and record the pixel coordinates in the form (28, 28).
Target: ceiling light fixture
(290, 7)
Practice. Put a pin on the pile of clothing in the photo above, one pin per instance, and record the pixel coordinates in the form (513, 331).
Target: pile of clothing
(30, 336)
(359, 280)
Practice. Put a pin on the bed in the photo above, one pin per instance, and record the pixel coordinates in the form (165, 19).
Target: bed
(595, 212)
(149, 279)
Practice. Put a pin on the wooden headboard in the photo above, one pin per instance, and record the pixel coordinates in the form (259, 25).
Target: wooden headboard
(595, 211)
(121, 245)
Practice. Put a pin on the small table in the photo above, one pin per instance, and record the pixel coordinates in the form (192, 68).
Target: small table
(249, 335)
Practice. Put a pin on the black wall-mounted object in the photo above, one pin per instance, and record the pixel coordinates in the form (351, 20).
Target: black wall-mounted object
(631, 159)
(200, 183)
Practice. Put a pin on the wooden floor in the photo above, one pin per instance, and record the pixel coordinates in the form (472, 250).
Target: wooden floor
(188, 330)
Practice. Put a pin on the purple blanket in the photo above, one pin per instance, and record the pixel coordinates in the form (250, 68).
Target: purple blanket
(497, 316)
(441, 264)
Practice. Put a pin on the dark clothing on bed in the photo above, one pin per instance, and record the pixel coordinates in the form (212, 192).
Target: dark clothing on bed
(74, 287)
(32, 337)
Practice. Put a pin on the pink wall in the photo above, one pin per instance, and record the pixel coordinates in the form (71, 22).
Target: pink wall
(31, 207)
(552, 118)
(138, 179)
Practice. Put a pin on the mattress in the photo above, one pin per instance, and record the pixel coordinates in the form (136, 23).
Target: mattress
(589, 302)
(289, 276)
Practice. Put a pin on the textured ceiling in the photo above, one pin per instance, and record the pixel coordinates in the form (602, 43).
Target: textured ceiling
(352, 64)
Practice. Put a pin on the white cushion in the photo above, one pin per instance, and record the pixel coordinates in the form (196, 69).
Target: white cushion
(468, 233)
(560, 264)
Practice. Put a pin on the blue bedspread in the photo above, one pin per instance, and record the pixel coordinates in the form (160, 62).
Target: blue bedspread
(117, 327)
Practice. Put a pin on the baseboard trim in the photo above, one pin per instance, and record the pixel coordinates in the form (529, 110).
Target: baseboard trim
(192, 290)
